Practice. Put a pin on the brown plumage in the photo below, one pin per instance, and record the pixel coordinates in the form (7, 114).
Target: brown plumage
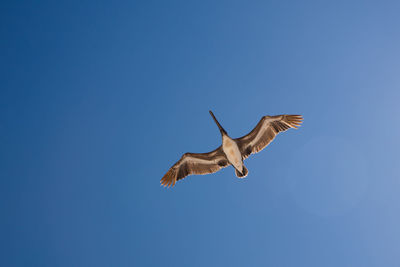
(265, 131)
(195, 163)
(205, 163)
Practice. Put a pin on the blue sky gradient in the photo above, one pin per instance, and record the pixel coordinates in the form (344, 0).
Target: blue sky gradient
(98, 99)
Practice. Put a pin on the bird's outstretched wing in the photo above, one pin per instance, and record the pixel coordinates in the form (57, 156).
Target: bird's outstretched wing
(265, 131)
(195, 163)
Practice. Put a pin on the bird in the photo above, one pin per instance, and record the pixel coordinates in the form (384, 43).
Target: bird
(232, 151)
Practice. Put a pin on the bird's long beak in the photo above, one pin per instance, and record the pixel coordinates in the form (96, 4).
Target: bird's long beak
(222, 130)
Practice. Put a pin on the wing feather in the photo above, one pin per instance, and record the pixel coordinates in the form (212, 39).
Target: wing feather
(265, 131)
(195, 163)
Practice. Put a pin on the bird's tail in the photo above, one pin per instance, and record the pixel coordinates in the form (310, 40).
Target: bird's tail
(242, 174)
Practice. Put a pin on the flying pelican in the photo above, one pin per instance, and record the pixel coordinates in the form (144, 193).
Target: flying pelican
(232, 151)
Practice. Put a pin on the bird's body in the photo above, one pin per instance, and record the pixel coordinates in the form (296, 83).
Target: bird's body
(233, 151)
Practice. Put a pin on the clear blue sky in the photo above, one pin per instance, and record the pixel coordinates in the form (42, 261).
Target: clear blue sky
(99, 98)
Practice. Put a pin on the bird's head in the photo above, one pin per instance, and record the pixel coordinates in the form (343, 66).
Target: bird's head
(222, 130)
